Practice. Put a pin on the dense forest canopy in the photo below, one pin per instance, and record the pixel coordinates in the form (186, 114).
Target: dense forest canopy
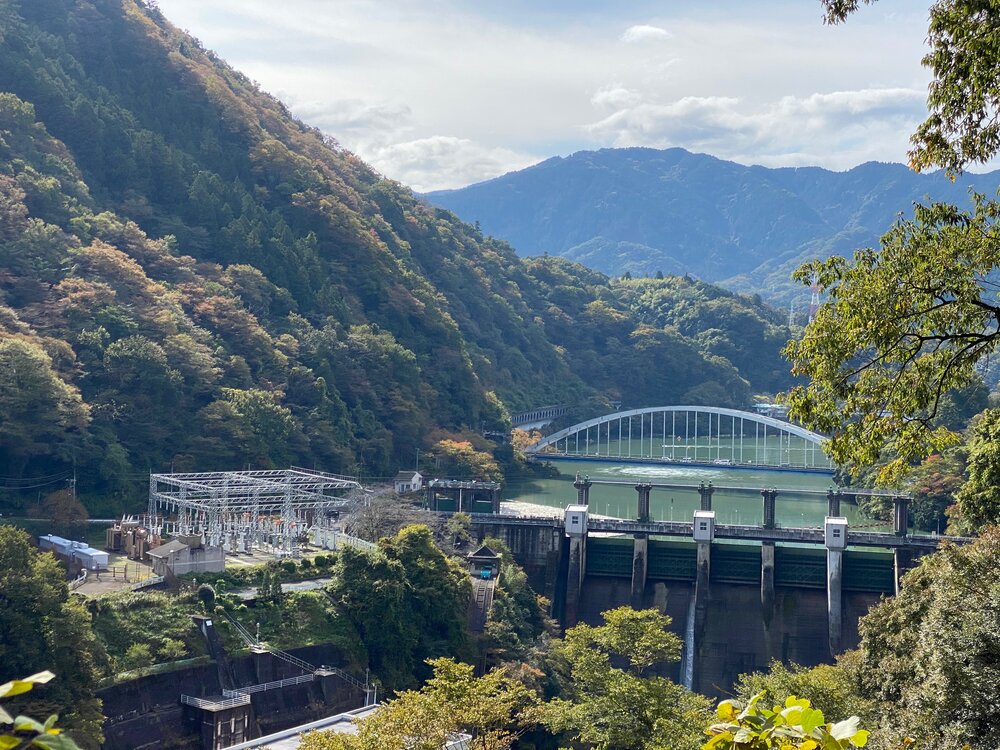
(192, 279)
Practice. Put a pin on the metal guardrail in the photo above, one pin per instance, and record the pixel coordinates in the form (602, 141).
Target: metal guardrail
(500, 520)
(808, 535)
(346, 719)
(239, 700)
(273, 685)
(353, 541)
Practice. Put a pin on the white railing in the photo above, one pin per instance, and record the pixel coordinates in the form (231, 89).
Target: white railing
(151, 581)
(332, 539)
(239, 700)
(78, 581)
(274, 685)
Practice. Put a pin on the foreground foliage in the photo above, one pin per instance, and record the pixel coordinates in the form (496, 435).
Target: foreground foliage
(494, 709)
(908, 322)
(929, 657)
(25, 732)
(796, 724)
(42, 627)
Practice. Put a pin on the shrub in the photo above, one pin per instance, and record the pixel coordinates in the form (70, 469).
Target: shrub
(137, 655)
(172, 650)
(206, 594)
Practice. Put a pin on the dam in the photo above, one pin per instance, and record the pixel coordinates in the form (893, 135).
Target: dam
(759, 584)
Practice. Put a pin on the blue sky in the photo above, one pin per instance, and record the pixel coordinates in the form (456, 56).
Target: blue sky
(443, 93)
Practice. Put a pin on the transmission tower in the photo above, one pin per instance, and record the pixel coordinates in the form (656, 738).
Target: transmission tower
(814, 298)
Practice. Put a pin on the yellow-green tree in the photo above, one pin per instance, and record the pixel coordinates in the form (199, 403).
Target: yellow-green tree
(459, 458)
(493, 709)
(625, 707)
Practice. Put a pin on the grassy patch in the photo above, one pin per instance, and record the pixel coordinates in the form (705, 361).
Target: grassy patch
(140, 629)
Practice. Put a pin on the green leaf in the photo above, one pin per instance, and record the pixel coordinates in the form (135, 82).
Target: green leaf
(27, 724)
(743, 736)
(726, 710)
(860, 738)
(811, 719)
(16, 687)
(54, 742)
(8, 743)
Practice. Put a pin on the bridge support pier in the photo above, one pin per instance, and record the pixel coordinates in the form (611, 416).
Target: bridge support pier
(705, 491)
(835, 538)
(769, 496)
(582, 490)
(833, 503)
(576, 530)
(643, 511)
(901, 515)
(640, 566)
(704, 534)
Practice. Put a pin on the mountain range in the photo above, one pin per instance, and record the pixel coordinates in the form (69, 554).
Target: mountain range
(641, 210)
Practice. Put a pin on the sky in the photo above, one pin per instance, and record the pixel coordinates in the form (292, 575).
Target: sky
(443, 93)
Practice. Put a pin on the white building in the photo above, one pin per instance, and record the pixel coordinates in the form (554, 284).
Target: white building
(408, 481)
(74, 553)
(187, 555)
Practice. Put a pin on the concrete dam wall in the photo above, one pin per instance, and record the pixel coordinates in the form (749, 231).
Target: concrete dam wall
(755, 603)
(735, 638)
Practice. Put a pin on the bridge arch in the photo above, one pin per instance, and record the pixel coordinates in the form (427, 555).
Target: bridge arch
(690, 434)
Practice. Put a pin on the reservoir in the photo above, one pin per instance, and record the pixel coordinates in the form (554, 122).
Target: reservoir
(742, 504)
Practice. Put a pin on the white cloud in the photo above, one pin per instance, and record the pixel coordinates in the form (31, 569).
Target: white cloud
(458, 87)
(615, 97)
(644, 33)
(439, 162)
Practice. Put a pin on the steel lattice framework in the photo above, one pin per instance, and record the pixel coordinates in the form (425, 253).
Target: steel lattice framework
(242, 510)
(690, 434)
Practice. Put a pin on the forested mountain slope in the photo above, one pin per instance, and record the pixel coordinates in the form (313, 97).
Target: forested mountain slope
(191, 278)
(641, 210)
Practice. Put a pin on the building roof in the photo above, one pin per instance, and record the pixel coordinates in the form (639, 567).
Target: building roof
(484, 552)
(406, 476)
(165, 550)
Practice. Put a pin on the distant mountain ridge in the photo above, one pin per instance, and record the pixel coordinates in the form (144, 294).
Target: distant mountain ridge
(643, 210)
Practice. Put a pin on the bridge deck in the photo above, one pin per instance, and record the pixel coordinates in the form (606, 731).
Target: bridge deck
(730, 531)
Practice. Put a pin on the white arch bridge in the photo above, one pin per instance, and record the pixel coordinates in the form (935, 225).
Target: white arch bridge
(703, 435)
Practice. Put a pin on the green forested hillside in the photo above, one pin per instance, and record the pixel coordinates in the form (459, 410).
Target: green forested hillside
(191, 278)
